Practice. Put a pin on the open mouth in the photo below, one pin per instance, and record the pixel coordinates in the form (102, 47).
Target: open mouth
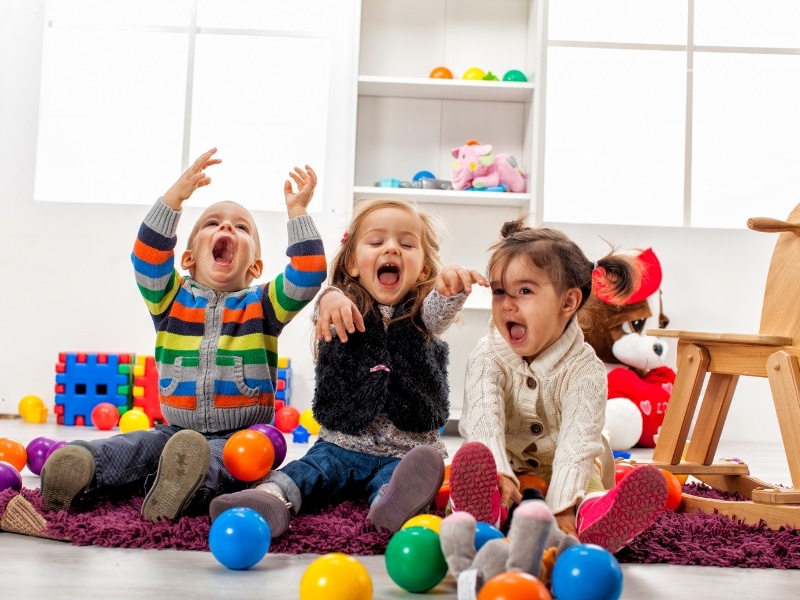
(516, 332)
(223, 251)
(389, 275)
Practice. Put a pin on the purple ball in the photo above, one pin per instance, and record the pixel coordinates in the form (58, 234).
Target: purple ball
(38, 450)
(276, 437)
(55, 447)
(9, 477)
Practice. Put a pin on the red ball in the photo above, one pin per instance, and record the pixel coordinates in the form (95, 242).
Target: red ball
(674, 490)
(287, 418)
(248, 455)
(105, 416)
(622, 469)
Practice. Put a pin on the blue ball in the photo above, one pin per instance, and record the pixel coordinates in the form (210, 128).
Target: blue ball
(485, 532)
(587, 572)
(239, 538)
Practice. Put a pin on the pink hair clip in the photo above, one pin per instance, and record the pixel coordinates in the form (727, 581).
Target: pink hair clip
(344, 237)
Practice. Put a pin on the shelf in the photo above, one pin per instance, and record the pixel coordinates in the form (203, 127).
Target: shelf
(445, 89)
(458, 197)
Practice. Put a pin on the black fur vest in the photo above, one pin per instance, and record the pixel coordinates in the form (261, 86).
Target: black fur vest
(394, 370)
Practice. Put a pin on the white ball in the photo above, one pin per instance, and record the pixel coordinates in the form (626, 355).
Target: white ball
(624, 423)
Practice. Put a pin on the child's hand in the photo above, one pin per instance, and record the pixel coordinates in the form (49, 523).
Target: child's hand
(193, 178)
(508, 490)
(566, 521)
(454, 279)
(306, 181)
(337, 310)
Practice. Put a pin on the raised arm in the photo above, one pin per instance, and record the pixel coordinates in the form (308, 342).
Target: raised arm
(194, 177)
(297, 202)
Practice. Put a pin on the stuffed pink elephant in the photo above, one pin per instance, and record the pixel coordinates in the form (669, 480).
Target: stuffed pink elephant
(477, 166)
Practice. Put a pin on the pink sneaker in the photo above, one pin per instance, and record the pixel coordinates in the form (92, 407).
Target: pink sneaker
(615, 517)
(473, 483)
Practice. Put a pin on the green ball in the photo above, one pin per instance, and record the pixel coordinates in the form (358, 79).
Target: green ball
(414, 559)
(514, 75)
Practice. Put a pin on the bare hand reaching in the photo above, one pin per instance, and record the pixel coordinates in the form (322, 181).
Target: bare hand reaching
(306, 181)
(454, 279)
(194, 177)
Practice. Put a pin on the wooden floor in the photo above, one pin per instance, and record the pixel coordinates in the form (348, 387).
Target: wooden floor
(36, 568)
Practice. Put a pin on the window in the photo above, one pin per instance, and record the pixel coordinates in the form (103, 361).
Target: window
(671, 112)
(133, 92)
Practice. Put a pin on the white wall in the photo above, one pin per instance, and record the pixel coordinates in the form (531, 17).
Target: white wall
(68, 283)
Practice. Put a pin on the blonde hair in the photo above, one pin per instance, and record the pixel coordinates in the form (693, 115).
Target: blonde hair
(340, 277)
(197, 225)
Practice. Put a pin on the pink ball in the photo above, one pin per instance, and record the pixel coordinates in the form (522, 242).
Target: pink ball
(38, 450)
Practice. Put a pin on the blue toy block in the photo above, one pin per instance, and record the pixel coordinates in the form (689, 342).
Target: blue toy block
(84, 380)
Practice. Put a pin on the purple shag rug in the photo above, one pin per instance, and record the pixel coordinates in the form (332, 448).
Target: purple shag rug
(675, 538)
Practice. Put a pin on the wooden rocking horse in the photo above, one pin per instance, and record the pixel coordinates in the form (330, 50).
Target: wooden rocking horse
(772, 353)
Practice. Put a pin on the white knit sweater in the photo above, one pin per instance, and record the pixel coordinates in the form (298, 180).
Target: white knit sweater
(545, 417)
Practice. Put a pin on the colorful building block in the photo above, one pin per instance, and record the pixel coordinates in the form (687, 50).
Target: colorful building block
(145, 389)
(84, 380)
(283, 386)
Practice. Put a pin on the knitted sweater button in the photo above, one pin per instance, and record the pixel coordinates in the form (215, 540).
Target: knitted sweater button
(531, 383)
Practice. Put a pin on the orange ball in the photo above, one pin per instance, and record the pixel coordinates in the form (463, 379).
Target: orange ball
(674, 490)
(248, 455)
(14, 453)
(441, 73)
(514, 585)
(529, 480)
(442, 497)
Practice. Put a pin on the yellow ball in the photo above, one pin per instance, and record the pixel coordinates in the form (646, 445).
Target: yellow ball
(474, 73)
(307, 420)
(134, 420)
(32, 409)
(432, 522)
(336, 576)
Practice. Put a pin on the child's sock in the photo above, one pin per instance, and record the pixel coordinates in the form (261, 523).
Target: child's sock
(457, 535)
(473, 483)
(613, 518)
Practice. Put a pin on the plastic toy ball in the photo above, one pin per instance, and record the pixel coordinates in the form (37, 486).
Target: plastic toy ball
(134, 420)
(514, 585)
(336, 576)
(514, 75)
(587, 572)
(414, 559)
(105, 416)
(32, 409)
(441, 73)
(37, 450)
(432, 522)
(287, 418)
(239, 538)
(529, 480)
(248, 455)
(277, 439)
(10, 478)
(307, 420)
(621, 469)
(55, 447)
(674, 490)
(485, 532)
(14, 453)
(474, 73)
(442, 497)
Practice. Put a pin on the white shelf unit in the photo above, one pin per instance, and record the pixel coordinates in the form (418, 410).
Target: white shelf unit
(408, 122)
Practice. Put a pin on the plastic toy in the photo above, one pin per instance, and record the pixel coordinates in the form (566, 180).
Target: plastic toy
(514, 75)
(621, 469)
(441, 73)
(423, 175)
(239, 538)
(32, 409)
(248, 455)
(529, 480)
(442, 497)
(490, 77)
(10, 478)
(134, 420)
(674, 490)
(336, 576)
(145, 389)
(485, 532)
(478, 166)
(13, 452)
(300, 435)
(287, 418)
(587, 572)
(277, 439)
(105, 416)
(37, 451)
(308, 421)
(624, 423)
(84, 380)
(55, 447)
(514, 585)
(474, 73)
(432, 522)
(414, 559)
(283, 385)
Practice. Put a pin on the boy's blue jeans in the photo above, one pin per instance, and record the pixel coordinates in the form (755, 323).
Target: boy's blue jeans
(329, 473)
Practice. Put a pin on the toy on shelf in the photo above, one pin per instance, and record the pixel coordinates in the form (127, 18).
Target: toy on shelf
(441, 73)
(515, 75)
(84, 380)
(635, 361)
(474, 73)
(477, 166)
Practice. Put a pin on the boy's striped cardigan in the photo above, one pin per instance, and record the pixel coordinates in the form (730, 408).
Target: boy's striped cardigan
(217, 352)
